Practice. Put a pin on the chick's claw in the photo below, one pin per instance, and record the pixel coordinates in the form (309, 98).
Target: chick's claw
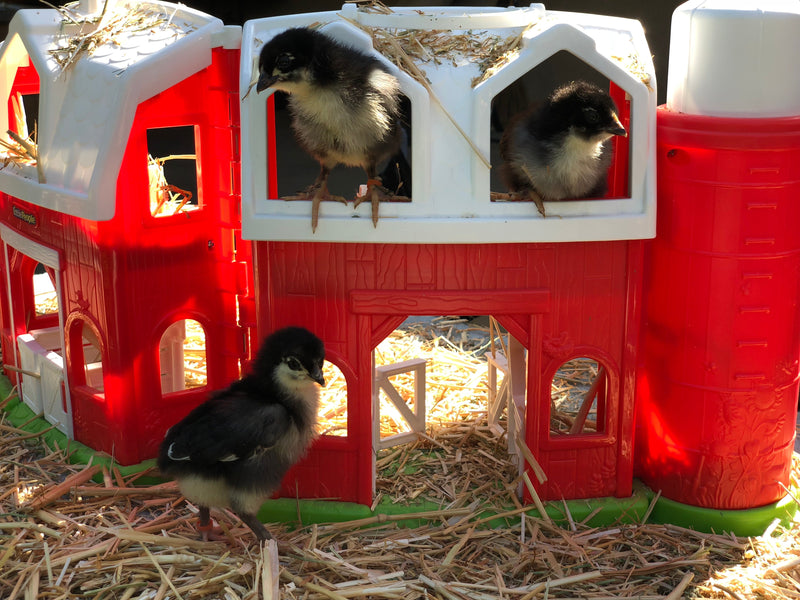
(377, 194)
(316, 193)
(532, 195)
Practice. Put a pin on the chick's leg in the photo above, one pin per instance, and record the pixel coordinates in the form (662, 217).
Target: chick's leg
(376, 193)
(257, 526)
(529, 193)
(204, 525)
(317, 192)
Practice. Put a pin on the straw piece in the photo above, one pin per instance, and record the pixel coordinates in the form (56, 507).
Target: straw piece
(312, 587)
(531, 460)
(31, 526)
(85, 35)
(535, 497)
(52, 493)
(270, 570)
(678, 591)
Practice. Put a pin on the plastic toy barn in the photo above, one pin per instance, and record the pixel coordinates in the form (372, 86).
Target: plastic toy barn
(128, 259)
(123, 250)
(576, 298)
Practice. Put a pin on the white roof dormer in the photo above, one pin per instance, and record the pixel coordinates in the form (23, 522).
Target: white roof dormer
(87, 103)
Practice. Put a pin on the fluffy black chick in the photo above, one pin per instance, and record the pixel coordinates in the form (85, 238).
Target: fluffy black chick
(344, 106)
(233, 450)
(558, 151)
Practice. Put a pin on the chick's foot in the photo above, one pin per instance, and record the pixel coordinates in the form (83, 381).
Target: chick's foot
(316, 193)
(377, 194)
(207, 528)
(529, 196)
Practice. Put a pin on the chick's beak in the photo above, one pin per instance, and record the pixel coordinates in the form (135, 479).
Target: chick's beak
(265, 81)
(616, 128)
(317, 376)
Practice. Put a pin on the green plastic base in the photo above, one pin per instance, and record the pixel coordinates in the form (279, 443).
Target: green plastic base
(594, 512)
(745, 522)
(21, 416)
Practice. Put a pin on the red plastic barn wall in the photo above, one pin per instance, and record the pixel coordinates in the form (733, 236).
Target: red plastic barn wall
(561, 301)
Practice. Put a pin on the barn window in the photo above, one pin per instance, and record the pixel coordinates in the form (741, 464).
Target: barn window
(530, 91)
(172, 170)
(182, 357)
(45, 298)
(23, 111)
(578, 395)
(333, 402)
(297, 170)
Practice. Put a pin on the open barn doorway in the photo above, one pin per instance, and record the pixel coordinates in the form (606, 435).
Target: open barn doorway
(445, 423)
(36, 310)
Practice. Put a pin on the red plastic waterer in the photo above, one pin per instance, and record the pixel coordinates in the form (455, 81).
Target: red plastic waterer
(719, 385)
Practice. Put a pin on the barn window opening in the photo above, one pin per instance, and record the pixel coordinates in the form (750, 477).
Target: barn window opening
(20, 145)
(182, 357)
(513, 105)
(578, 395)
(39, 299)
(436, 436)
(172, 170)
(45, 298)
(297, 170)
(92, 358)
(333, 402)
(29, 117)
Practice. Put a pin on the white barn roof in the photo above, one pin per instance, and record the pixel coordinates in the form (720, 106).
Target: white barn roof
(87, 107)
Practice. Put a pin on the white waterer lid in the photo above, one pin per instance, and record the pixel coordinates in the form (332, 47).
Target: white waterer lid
(735, 58)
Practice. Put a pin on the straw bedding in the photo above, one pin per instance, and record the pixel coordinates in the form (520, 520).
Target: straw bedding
(65, 536)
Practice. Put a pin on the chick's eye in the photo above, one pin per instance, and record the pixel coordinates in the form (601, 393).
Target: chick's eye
(294, 364)
(591, 115)
(283, 62)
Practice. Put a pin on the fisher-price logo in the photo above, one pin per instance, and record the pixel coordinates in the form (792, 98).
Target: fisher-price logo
(24, 215)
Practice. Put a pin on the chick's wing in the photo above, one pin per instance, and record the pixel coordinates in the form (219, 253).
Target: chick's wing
(228, 428)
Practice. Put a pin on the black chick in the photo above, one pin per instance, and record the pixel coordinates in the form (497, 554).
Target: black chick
(233, 450)
(344, 106)
(558, 150)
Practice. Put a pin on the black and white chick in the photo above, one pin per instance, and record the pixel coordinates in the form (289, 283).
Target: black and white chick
(344, 106)
(558, 150)
(233, 450)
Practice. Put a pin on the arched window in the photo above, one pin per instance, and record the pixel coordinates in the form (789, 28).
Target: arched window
(182, 356)
(333, 402)
(578, 394)
(86, 356)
